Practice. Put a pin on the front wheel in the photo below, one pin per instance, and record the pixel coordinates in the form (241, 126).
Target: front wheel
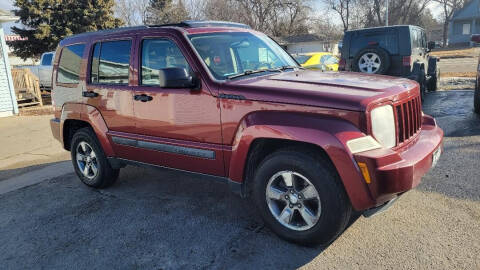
(300, 197)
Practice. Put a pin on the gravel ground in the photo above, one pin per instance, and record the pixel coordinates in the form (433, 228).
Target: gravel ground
(160, 219)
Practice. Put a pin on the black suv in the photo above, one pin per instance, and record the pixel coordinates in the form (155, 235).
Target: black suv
(394, 50)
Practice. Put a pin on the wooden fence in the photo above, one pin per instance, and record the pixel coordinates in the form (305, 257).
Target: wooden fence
(27, 87)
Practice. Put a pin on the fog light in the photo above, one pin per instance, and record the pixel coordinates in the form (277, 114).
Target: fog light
(364, 169)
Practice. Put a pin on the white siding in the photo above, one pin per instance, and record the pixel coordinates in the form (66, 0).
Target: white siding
(305, 47)
(7, 100)
(314, 46)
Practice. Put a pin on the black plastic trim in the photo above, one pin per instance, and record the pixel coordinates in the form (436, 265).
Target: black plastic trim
(167, 148)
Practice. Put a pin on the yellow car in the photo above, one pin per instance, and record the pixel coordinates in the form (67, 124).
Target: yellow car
(318, 60)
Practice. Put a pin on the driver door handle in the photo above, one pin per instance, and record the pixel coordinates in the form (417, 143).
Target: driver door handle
(142, 98)
(89, 94)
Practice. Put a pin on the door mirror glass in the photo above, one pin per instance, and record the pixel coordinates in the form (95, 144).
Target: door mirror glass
(431, 45)
(176, 78)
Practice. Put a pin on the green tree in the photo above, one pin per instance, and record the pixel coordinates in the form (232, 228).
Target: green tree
(167, 11)
(46, 22)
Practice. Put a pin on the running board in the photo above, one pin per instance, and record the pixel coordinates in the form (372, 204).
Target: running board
(235, 187)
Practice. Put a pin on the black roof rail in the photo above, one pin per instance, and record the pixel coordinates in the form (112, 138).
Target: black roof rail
(195, 24)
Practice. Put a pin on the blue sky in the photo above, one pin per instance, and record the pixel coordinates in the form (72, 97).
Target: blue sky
(7, 5)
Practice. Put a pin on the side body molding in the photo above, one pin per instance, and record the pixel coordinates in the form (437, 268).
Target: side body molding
(89, 114)
(328, 133)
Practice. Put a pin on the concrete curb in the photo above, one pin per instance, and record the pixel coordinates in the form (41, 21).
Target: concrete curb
(36, 176)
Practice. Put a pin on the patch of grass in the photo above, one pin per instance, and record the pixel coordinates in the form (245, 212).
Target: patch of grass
(458, 74)
(455, 53)
(35, 111)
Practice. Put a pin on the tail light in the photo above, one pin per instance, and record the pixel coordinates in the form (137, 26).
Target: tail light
(341, 64)
(407, 61)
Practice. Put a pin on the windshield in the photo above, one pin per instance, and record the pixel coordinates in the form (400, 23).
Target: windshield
(233, 53)
(301, 59)
(330, 60)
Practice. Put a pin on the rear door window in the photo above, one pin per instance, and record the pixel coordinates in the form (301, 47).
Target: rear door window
(70, 61)
(110, 62)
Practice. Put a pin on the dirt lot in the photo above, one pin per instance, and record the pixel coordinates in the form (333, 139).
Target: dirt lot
(160, 219)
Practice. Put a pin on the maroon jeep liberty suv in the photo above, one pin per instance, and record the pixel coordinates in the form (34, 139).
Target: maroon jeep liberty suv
(216, 98)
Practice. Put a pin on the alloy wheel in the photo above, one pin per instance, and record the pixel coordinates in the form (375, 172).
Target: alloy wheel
(369, 63)
(293, 200)
(87, 160)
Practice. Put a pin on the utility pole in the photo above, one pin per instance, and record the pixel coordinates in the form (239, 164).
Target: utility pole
(386, 14)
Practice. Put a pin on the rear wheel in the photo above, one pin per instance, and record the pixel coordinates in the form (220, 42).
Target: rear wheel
(434, 73)
(89, 160)
(434, 82)
(300, 197)
(476, 98)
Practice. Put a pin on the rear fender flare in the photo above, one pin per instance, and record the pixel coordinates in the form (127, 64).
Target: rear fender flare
(330, 134)
(89, 114)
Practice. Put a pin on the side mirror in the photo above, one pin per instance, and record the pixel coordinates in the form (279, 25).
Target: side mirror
(431, 45)
(476, 38)
(177, 78)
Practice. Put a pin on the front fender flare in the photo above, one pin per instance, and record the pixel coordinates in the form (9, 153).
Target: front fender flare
(330, 134)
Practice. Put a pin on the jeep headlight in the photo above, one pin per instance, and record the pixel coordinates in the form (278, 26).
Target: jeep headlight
(383, 125)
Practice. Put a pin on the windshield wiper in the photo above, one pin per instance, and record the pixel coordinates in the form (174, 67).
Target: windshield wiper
(283, 68)
(250, 72)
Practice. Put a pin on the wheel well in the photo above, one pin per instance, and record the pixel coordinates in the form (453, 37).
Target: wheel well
(69, 128)
(261, 148)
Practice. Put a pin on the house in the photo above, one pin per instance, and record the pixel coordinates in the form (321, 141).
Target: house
(307, 43)
(464, 23)
(16, 61)
(8, 101)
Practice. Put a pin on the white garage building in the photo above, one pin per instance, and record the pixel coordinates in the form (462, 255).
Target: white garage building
(8, 102)
(307, 43)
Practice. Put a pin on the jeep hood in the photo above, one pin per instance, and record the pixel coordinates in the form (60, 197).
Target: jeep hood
(341, 90)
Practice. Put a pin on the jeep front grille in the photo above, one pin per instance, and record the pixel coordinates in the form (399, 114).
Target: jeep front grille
(409, 119)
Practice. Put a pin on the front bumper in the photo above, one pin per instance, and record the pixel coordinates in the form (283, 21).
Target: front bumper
(394, 172)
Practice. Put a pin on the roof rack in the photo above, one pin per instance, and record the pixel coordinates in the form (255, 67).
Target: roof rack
(184, 24)
(195, 24)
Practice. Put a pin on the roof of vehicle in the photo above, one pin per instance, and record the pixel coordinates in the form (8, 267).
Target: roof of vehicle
(188, 26)
(382, 27)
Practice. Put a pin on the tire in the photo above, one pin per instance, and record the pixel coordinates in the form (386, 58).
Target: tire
(372, 61)
(329, 212)
(418, 74)
(98, 173)
(476, 98)
(434, 73)
(434, 82)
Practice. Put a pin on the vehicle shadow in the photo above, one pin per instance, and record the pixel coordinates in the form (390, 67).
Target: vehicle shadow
(150, 219)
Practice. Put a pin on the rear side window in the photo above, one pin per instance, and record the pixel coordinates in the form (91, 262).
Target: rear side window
(110, 62)
(70, 61)
(47, 59)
